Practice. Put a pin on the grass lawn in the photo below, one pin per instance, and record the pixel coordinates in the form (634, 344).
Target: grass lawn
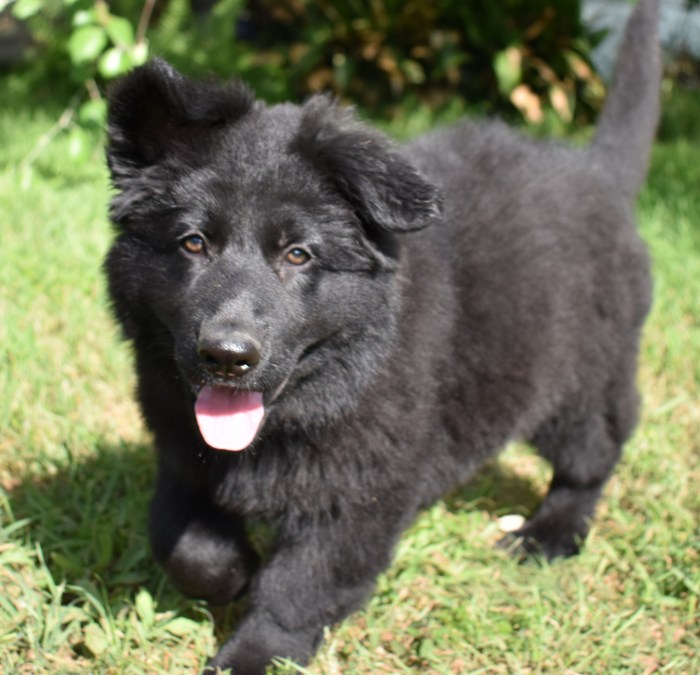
(80, 593)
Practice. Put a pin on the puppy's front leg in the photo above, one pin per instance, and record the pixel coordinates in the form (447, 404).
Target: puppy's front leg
(204, 551)
(324, 568)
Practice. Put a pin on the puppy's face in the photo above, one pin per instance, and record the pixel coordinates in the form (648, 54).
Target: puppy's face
(256, 246)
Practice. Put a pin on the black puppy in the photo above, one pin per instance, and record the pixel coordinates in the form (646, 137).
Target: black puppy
(331, 331)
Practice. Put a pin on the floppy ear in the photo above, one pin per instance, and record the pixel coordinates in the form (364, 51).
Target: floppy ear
(154, 111)
(383, 187)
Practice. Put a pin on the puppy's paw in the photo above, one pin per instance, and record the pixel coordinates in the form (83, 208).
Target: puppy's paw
(212, 570)
(532, 542)
(258, 643)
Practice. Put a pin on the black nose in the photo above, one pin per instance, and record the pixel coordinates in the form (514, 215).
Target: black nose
(230, 356)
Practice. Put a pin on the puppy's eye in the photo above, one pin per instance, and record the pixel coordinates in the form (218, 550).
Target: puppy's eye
(297, 256)
(193, 244)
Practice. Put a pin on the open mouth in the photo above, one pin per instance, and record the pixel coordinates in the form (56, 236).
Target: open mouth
(229, 419)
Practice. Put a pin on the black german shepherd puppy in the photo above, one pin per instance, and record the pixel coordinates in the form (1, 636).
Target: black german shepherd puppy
(331, 331)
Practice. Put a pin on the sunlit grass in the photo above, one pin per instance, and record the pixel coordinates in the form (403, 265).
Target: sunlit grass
(81, 594)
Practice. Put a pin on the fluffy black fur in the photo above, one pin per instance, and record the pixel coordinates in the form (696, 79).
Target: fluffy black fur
(464, 290)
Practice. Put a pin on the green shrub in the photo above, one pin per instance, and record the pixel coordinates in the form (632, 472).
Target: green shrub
(501, 55)
(507, 56)
(200, 45)
(78, 45)
(512, 57)
(77, 41)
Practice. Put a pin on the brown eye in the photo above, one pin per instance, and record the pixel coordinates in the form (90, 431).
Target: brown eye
(193, 244)
(297, 256)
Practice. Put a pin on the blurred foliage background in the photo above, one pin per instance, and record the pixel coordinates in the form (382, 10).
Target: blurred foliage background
(521, 59)
(514, 57)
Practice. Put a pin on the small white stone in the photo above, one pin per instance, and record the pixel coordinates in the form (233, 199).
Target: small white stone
(511, 523)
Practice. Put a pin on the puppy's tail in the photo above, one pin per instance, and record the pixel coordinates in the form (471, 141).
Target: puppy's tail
(628, 122)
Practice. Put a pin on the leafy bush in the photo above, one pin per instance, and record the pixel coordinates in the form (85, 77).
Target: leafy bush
(80, 44)
(529, 55)
(526, 57)
(80, 40)
(216, 42)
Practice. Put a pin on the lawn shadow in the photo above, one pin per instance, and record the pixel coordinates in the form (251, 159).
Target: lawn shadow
(89, 519)
(498, 489)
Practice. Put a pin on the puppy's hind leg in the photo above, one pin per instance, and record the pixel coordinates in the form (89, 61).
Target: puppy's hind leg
(583, 443)
(204, 551)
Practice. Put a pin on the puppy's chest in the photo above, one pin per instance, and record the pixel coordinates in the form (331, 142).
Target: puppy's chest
(309, 478)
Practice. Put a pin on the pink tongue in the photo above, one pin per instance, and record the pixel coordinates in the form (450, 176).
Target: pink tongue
(228, 419)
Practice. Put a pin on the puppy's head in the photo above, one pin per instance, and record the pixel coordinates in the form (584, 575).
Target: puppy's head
(256, 246)
(158, 118)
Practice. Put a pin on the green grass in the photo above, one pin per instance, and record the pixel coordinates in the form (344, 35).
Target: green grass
(80, 593)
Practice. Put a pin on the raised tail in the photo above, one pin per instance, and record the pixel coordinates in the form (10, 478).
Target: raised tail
(628, 122)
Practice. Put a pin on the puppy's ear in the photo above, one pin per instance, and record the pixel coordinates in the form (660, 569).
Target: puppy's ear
(383, 187)
(154, 111)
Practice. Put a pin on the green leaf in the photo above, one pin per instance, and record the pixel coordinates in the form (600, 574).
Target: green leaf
(23, 9)
(120, 31)
(84, 17)
(114, 62)
(181, 627)
(79, 145)
(86, 44)
(93, 113)
(507, 65)
(145, 607)
(139, 54)
(426, 648)
(413, 71)
(95, 639)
